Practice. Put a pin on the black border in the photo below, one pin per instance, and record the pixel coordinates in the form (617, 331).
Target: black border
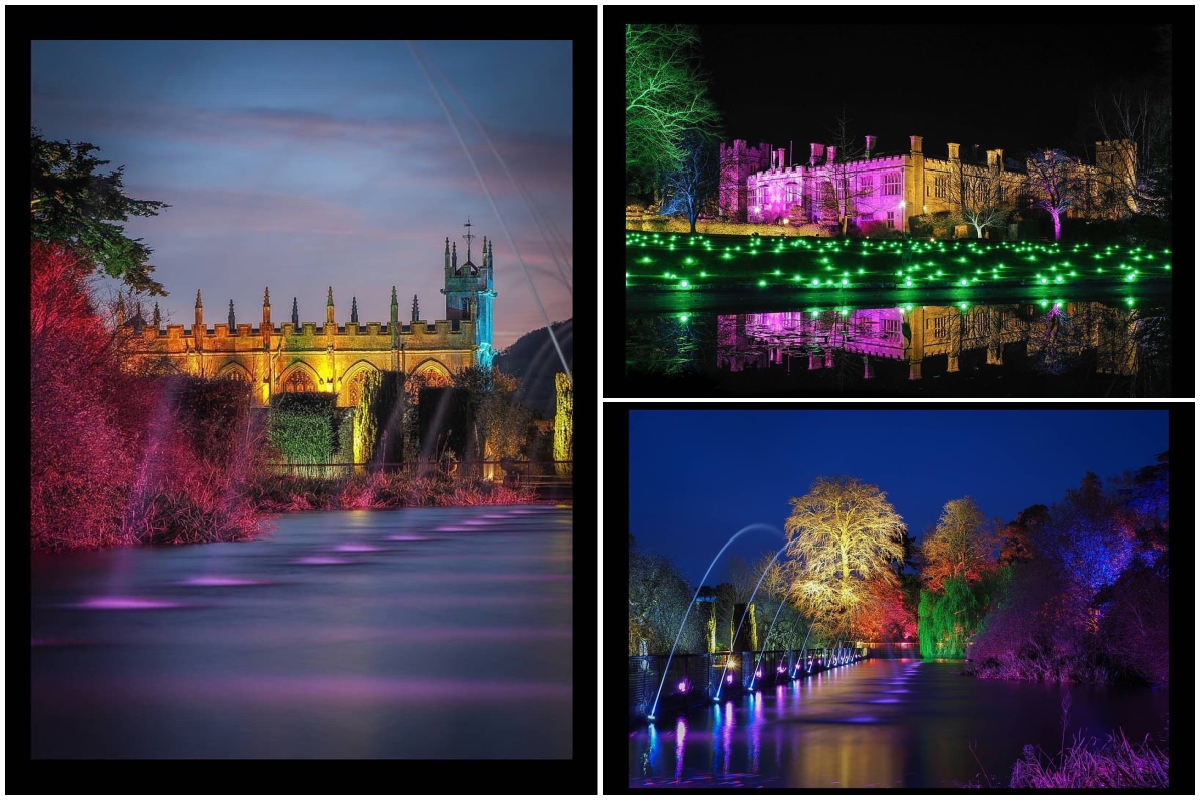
(909, 22)
(575, 776)
(615, 772)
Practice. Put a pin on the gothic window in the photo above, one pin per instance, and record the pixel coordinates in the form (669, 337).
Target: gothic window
(865, 185)
(891, 220)
(764, 196)
(941, 327)
(890, 327)
(791, 193)
(355, 388)
(941, 186)
(891, 183)
(299, 381)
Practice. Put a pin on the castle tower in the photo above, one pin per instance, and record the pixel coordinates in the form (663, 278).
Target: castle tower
(914, 182)
(469, 292)
(266, 328)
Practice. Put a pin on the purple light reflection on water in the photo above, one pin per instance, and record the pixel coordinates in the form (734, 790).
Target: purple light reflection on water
(412, 537)
(357, 548)
(221, 580)
(123, 604)
(321, 561)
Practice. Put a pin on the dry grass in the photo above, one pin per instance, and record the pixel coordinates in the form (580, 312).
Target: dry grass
(280, 493)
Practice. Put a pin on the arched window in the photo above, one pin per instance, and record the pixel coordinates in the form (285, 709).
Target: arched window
(355, 388)
(299, 381)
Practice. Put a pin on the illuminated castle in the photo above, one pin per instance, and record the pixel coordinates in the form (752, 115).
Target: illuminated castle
(889, 189)
(302, 357)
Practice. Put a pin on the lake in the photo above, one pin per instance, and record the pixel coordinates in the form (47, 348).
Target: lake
(880, 723)
(409, 633)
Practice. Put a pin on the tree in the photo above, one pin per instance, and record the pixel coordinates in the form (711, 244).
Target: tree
(692, 187)
(1052, 182)
(844, 193)
(962, 545)
(841, 535)
(948, 619)
(665, 96)
(976, 196)
(70, 205)
(1019, 534)
(659, 597)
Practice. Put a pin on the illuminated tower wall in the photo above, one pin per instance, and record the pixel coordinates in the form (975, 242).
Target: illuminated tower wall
(469, 292)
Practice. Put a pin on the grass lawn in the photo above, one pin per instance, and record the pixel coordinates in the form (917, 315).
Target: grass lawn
(679, 262)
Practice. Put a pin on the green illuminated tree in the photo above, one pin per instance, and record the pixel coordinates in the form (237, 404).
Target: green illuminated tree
(665, 96)
(70, 202)
(842, 536)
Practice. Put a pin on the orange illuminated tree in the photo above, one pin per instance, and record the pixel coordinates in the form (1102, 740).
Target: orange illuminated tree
(963, 544)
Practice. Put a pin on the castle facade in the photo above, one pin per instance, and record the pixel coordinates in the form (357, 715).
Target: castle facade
(300, 356)
(758, 186)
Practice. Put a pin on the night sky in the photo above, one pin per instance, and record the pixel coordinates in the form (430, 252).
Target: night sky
(697, 477)
(1004, 85)
(297, 165)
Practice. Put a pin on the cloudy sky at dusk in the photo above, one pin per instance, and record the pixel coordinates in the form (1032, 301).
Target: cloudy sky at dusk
(297, 165)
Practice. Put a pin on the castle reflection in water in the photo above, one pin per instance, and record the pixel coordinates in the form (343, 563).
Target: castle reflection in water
(911, 334)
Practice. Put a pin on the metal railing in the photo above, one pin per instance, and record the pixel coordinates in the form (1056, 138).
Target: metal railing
(697, 679)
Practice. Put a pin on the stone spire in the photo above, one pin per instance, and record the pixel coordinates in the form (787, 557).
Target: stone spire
(121, 309)
(199, 303)
(157, 316)
(295, 314)
(354, 310)
(454, 256)
(416, 314)
(266, 329)
(232, 323)
(199, 329)
(267, 297)
(329, 309)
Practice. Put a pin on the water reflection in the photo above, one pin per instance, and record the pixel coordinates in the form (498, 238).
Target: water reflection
(1126, 343)
(827, 730)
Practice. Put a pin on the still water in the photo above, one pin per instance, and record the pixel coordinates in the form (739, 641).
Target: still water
(1035, 348)
(411, 633)
(880, 723)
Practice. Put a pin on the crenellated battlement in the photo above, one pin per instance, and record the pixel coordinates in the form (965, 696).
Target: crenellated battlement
(328, 356)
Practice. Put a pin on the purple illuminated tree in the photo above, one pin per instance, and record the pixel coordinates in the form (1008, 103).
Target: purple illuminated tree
(1053, 184)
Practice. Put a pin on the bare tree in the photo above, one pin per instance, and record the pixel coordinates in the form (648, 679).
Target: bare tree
(846, 191)
(665, 95)
(1053, 183)
(976, 196)
(692, 187)
(1133, 161)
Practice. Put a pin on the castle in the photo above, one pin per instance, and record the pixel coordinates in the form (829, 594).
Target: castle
(758, 186)
(302, 357)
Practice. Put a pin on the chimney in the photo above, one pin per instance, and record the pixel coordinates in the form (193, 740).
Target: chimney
(832, 153)
(953, 148)
(975, 152)
(915, 143)
(779, 157)
(870, 145)
(817, 151)
(1000, 158)
(991, 158)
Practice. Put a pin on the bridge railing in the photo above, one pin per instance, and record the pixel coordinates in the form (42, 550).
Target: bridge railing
(697, 679)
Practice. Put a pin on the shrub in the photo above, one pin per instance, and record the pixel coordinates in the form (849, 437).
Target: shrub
(303, 426)
(377, 418)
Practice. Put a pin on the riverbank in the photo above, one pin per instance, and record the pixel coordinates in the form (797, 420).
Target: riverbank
(381, 490)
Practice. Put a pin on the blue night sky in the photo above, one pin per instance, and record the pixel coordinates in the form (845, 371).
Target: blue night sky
(697, 477)
(297, 165)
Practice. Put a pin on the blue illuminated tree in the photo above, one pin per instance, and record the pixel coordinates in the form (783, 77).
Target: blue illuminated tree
(691, 188)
